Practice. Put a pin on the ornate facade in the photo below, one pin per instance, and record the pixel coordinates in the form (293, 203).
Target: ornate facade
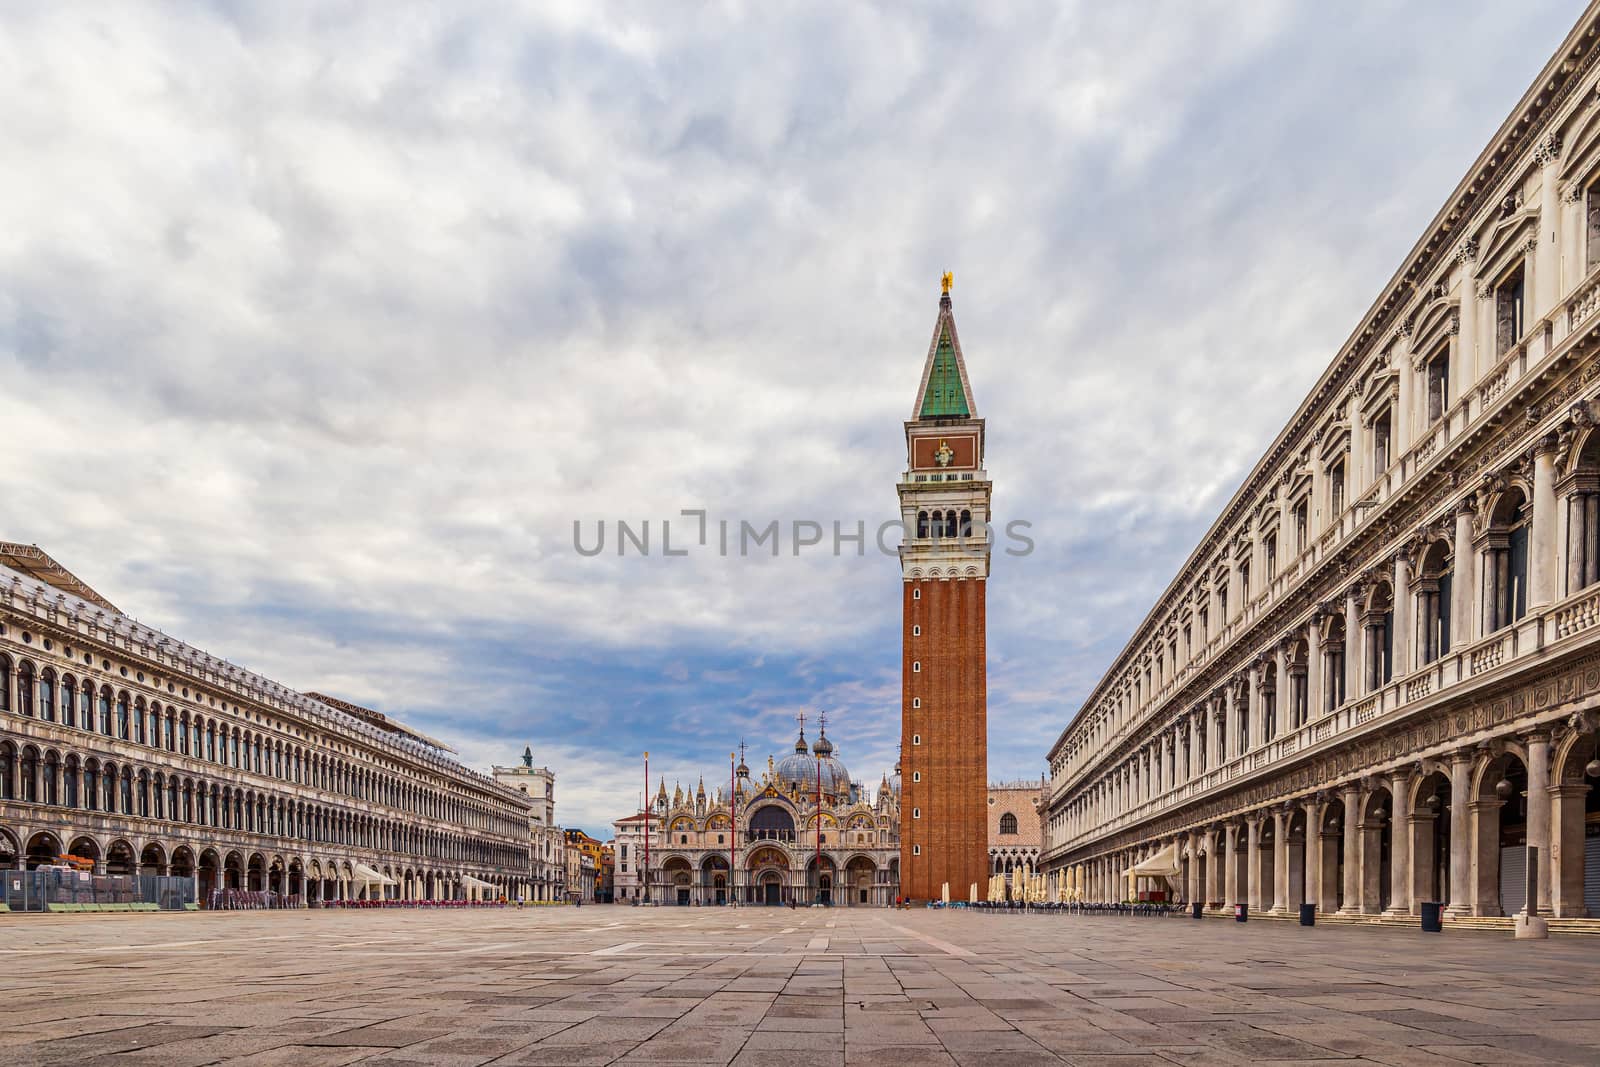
(781, 845)
(944, 568)
(1016, 829)
(127, 747)
(1375, 681)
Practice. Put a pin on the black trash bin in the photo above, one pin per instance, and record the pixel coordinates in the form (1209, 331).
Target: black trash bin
(1308, 915)
(1432, 917)
(1198, 908)
(1241, 913)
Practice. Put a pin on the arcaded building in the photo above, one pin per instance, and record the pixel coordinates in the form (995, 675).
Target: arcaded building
(125, 746)
(944, 568)
(1016, 830)
(1375, 681)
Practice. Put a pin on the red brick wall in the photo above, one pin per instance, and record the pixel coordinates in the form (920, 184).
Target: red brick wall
(952, 722)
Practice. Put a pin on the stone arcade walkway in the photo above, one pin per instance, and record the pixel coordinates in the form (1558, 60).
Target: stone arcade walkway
(603, 984)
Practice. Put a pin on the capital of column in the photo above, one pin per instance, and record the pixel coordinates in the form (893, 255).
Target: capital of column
(1547, 152)
(1467, 252)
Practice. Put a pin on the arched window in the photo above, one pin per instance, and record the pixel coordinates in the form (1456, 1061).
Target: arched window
(5, 684)
(25, 688)
(105, 710)
(938, 524)
(966, 523)
(1378, 624)
(1008, 823)
(1433, 590)
(86, 706)
(1505, 562)
(47, 695)
(951, 523)
(69, 694)
(922, 524)
(124, 730)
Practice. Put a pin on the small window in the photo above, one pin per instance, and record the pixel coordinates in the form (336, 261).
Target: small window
(1381, 429)
(1008, 823)
(916, 850)
(1438, 385)
(916, 739)
(683, 839)
(1508, 312)
(719, 839)
(916, 702)
(916, 666)
(916, 813)
(916, 776)
(916, 631)
(916, 594)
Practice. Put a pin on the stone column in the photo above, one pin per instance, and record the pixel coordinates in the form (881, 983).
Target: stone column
(1313, 852)
(1485, 853)
(1542, 550)
(1282, 692)
(1253, 710)
(1280, 861)
(1539, 811)
(1464, 361)
(1252, 859)
(1230, 713)
(1400, 425)
(1219, 730)
(1400, 843)
(1354, 645)
(1463, 581)
(1314, 672)
(1351, 794)
(1546, 257)
(1230, 868)
(1194, 743)
(1460, 833)
(1213, 889)
(1193, 879)
(1402, 616)
(1355, 466)
(1567, 802)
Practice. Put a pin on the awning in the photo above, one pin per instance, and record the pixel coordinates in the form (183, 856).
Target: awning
(371, 877)
(1163, 864)
(476, 883)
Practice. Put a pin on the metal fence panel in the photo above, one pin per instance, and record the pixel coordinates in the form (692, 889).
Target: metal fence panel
(35, 890)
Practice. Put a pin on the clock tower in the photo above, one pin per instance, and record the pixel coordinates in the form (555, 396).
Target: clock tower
(944, 571)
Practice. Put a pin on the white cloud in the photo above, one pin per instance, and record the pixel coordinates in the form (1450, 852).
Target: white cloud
(320, 326)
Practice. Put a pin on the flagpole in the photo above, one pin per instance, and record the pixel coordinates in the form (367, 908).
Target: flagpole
(646, 872)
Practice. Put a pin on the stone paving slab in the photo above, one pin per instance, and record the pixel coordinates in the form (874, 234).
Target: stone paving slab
(812, 988)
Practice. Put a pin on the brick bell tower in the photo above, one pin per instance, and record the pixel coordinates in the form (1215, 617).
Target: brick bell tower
(944, 570)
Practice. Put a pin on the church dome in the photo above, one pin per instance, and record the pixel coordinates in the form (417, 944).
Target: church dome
(799, 771)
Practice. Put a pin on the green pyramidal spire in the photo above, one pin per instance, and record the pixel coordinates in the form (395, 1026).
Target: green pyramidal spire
(945, 395)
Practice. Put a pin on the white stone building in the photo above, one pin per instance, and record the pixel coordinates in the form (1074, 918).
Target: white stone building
(545, 841)
(1375, 681)
(146, 755)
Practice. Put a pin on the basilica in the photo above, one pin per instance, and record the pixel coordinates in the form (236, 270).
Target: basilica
(801, 833)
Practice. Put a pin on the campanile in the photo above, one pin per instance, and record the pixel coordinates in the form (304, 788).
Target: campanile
(944, 571)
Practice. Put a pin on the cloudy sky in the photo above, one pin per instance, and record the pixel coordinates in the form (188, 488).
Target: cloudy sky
(321, 326)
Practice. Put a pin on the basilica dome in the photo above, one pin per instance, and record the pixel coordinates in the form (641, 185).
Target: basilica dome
(798, 771)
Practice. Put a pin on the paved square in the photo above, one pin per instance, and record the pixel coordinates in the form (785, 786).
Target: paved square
(601, 984)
